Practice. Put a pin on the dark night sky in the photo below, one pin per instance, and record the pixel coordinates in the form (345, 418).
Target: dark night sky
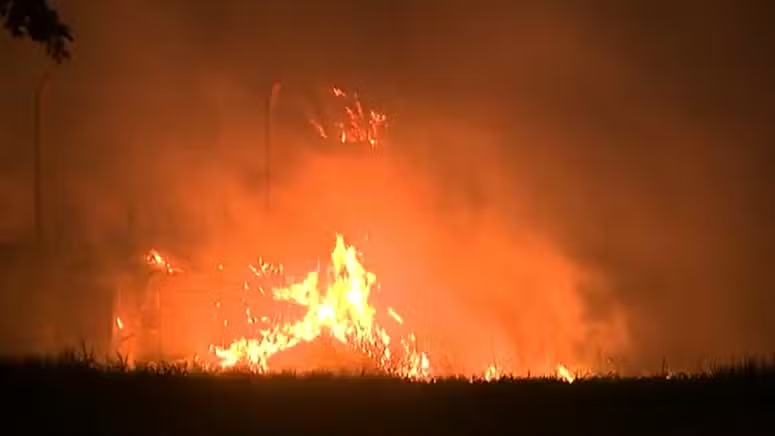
(639, 132)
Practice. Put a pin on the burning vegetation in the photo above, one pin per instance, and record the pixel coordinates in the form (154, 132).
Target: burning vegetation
(264, 318)
(335, 309)
(336, 303)
(353, 123)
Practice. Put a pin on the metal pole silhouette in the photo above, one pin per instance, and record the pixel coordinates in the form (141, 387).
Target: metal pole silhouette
(274, 95)
(38, 158)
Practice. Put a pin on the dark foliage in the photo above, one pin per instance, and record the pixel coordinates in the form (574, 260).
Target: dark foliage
(36, 20)
(76, 395)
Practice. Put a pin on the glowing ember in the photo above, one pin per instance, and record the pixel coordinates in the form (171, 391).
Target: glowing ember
(158, 262)
(393, 314)
(355, 125)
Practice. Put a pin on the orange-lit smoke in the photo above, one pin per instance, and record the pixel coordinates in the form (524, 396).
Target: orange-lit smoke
(480, 290)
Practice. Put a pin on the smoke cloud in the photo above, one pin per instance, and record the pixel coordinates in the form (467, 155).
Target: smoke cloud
(580, 183)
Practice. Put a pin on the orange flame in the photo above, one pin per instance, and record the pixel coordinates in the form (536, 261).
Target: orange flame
(356, 125)
(563, 373)
(493, 373)
(158, 262)
(338, 307)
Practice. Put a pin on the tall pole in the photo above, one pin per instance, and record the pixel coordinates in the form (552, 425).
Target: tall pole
(38, 158)
(274, 95)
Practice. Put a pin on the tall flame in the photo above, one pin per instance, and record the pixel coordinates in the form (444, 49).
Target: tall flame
(336, 305)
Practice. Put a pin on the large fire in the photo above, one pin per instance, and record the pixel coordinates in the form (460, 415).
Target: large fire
(336, 305)
(331, 305)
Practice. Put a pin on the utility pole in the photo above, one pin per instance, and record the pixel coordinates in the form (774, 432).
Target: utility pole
(274, 95)
(38, 158)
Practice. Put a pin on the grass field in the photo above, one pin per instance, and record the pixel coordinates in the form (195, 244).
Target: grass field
(74, 395)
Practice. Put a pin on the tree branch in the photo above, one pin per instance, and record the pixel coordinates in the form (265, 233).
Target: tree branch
(36, 20)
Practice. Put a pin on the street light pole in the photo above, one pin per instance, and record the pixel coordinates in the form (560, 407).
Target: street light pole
(38, 157)
(274, 95)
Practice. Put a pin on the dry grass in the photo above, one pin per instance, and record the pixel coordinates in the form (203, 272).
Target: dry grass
(74, 393)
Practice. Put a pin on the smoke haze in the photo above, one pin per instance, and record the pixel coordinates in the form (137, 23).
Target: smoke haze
(562, 181)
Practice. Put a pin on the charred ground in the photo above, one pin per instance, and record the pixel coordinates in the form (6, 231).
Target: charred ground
(76, 396)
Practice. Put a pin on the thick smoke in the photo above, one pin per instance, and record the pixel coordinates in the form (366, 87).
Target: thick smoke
(578, 183)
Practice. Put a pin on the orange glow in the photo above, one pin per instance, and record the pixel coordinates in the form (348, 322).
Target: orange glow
(336, 306)
(473, 295)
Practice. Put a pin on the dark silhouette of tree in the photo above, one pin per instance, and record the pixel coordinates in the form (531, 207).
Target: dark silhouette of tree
(36, 20)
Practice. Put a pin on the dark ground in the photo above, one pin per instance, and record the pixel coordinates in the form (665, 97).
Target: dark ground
(74, 398)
